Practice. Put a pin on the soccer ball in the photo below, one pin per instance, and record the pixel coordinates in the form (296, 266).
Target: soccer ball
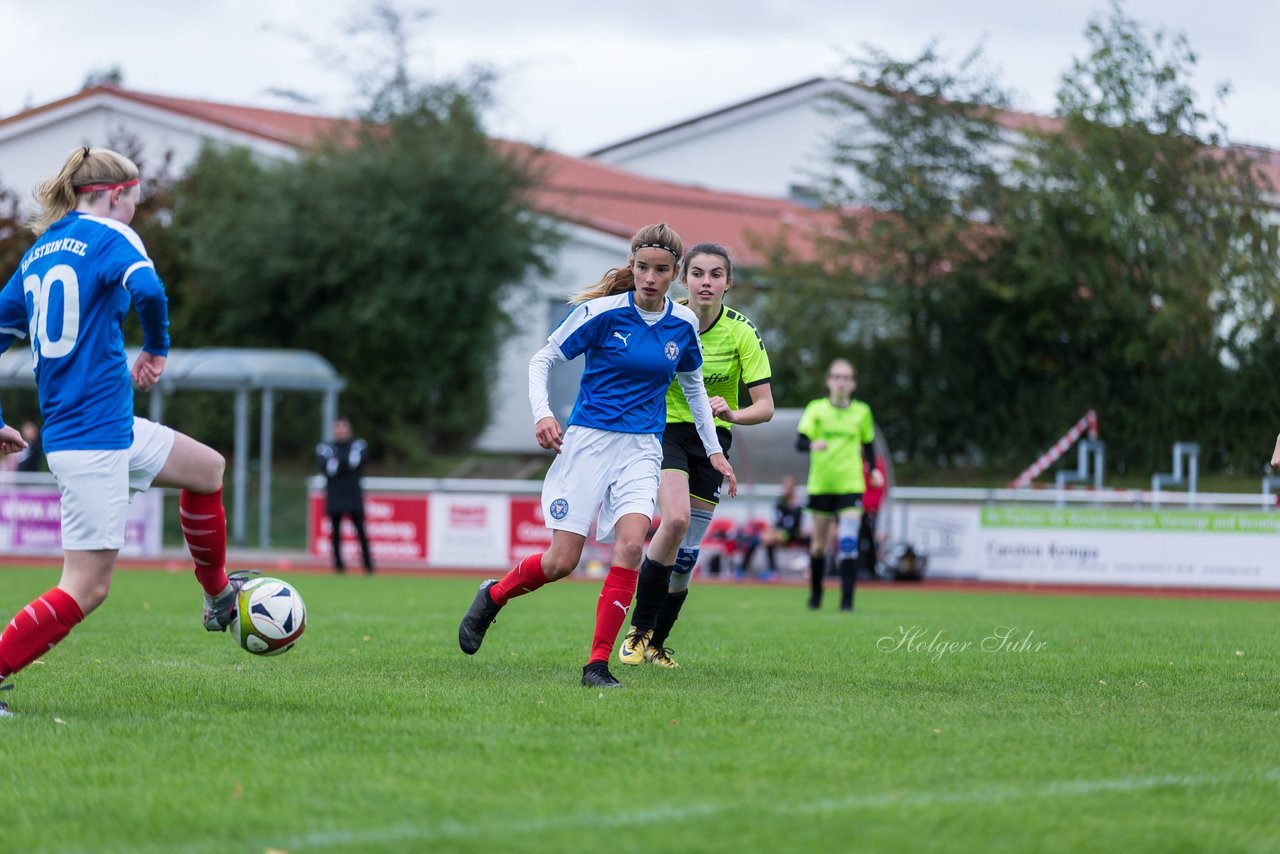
(269, 616)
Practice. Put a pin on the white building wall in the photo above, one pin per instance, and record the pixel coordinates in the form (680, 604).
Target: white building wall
(763, 154)
(772, 147)
(769, 146)
(766, 147)
(538, 308)
(34, 150)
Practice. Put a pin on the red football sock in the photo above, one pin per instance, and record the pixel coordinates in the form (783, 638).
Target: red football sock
(611, 610)
(36, 629)
(525, 578)
(204, 527)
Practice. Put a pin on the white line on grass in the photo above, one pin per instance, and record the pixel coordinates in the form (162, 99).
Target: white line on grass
(640, 818)
(1066, 788)
(450, 829)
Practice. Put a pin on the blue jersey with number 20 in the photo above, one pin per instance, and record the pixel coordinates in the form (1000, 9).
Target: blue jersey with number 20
(70, 295)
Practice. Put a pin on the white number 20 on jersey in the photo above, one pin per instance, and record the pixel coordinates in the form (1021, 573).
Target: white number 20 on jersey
(58, 275)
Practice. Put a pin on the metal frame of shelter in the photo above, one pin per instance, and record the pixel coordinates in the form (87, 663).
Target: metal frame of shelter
(239, 372)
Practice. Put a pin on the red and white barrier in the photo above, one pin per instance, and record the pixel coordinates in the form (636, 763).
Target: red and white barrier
(1088, 423)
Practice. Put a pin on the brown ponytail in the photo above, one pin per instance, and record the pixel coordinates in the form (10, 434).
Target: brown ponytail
(621, 279)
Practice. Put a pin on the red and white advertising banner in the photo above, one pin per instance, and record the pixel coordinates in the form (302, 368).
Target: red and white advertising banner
(529, 533)
(395, 522)
(448, 530)
(469, 530)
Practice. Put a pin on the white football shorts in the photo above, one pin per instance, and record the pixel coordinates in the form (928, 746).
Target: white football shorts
(96, 486)
(614, 473)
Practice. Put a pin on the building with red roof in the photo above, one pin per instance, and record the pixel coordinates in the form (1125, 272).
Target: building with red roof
(599, 206)
(742, 176)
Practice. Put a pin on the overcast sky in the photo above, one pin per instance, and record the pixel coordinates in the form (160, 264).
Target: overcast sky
(579, 74)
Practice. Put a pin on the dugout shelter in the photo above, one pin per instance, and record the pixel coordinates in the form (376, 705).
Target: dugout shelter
(239, 372)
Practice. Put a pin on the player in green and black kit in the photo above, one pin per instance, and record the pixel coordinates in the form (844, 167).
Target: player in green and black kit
(838, 432)
(732, 353)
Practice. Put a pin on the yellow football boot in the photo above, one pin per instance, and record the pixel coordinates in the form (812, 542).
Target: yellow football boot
(634, 646)
(660, 656)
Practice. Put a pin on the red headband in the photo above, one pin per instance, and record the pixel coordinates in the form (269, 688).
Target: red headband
(93, 188)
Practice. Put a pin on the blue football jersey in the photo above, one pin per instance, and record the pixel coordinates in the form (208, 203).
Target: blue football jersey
(70, 295)
(629, 363)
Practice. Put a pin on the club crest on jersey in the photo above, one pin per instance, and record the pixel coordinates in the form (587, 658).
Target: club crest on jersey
(559, 509)
(672, 350)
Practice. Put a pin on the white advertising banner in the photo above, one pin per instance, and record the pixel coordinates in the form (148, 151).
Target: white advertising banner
(1167, 548)
(950, 534)
(468, 530)
(31, 522)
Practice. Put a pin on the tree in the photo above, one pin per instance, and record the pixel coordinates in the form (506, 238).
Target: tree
(15, 238)
(389, 248)
(994, 276)
(1139, 261)
(912, 180)
(112, 76)
(389, 251)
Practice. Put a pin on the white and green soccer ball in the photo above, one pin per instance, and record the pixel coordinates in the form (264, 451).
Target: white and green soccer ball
(269, 616)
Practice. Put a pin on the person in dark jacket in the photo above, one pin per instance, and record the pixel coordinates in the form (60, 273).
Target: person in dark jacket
(341, 460)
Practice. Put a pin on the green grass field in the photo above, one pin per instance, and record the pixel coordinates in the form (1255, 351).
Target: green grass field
(1137, 725)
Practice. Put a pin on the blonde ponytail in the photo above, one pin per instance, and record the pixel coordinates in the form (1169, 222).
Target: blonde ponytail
(84, 167)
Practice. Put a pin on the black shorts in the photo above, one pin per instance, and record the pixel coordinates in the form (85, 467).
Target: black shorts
(832, 503)
(682, 451)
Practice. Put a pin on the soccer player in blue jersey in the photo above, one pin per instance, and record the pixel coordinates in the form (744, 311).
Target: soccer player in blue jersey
(70, 294)
(733, 354)
(635, 341)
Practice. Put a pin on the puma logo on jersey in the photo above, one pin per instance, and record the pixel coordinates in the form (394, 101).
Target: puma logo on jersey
(620, 605)
(622, 338)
